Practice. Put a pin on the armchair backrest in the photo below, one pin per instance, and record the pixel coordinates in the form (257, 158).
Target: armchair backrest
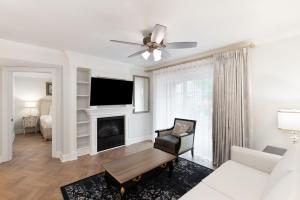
(188, 122)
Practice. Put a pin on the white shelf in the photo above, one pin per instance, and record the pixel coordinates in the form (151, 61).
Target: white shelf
(83, 150)
(82, 109)
(83, 122)
(82, 82)
(83, 135)
(83, 95)
(81, 146)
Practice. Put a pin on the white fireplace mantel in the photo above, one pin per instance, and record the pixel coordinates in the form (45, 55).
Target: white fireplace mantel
(107, 111)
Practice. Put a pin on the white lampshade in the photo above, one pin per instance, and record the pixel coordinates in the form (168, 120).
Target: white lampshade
(30, 104)
(289, 120)
(157, 55)
(146, 55)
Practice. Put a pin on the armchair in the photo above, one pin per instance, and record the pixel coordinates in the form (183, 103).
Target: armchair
(178, 139)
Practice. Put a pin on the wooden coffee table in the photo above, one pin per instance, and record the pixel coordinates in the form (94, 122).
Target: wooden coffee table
(131, 169)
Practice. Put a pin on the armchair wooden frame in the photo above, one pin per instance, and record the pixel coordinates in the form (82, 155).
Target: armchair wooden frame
(164, 132)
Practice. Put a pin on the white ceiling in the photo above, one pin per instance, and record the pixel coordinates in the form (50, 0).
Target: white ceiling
(86, 26)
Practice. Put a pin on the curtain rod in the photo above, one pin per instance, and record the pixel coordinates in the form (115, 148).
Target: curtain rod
(204, 55)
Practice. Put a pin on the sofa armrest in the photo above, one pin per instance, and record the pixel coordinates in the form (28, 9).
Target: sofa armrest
(261, 161)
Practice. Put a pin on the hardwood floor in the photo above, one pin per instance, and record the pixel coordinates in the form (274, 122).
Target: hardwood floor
(33, 174)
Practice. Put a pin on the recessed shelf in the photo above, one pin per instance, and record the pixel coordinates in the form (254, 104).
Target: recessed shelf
(83, 122)
(83, 95)
(81, 146)
(82, 109)
(82, 82)
(83, 135)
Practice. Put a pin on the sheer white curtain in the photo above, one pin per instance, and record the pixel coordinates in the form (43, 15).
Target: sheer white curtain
(185, 91)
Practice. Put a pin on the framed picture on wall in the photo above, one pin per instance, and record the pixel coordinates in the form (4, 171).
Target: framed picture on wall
(49, 88)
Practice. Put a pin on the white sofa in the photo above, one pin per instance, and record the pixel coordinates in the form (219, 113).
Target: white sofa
(252, 175)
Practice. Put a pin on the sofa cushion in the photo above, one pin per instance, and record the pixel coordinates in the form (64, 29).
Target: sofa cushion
(237, 181)
(286, 164)
(286, 188)
(203, 192)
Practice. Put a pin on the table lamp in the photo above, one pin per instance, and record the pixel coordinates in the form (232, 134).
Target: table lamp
(289, 120)
(30, 105)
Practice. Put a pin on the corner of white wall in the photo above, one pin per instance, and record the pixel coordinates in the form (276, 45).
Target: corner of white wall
(275, 85)
(68, 157)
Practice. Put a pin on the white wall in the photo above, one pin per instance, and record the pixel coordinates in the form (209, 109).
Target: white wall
(275, 84)
(1, 113)
(27, 89)
(11, 51)
(19, 55)
(140, 125)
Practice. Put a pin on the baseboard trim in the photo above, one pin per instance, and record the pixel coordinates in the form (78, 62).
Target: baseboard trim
(68, 157)
(56, 154)
(86, 150)
(83, 151)
(4, 159)
(139, 139)
(19, 131)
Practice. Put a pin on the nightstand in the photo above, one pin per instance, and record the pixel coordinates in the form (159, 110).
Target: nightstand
(275, 150)
(30, 122)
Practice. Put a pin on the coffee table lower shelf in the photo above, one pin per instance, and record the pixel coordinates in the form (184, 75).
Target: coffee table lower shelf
(123, 187)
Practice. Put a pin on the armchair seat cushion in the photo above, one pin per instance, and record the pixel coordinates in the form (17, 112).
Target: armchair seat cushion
(168, 143)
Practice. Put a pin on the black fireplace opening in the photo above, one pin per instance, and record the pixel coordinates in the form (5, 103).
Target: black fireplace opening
(110, 132)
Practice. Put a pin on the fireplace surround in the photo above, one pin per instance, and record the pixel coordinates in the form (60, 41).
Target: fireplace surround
(106, 112)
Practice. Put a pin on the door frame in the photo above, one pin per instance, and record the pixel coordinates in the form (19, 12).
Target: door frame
(7, 78)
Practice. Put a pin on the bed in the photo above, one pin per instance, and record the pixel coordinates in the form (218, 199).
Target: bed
(46, 118)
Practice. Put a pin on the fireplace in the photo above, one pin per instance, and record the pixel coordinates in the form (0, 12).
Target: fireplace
(110, 132)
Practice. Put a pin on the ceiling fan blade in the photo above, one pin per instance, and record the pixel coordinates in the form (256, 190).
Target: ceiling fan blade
(181, 45)
(137, 53)
(129, 43)
(158, 33)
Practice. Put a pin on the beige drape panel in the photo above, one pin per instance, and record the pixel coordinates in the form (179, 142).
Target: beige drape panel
(230, 106)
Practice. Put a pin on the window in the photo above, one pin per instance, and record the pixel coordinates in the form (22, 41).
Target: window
(186, 93)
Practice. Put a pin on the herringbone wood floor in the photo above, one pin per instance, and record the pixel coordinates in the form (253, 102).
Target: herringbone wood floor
(33, 174)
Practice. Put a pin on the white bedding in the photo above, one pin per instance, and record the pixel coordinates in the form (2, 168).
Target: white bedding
(46, 121)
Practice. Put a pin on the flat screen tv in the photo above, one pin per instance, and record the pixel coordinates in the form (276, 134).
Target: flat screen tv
(110, 92)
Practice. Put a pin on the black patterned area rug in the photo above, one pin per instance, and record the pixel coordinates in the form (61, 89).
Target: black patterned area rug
(185, 176)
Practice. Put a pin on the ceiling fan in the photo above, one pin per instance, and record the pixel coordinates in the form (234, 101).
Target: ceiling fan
(154, 44)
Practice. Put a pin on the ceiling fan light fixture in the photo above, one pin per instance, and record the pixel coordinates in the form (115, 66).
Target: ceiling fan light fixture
(154, 45)
(157, 55)
(146, 55)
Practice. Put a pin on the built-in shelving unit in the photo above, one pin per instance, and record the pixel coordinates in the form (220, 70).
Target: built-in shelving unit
(83, 103)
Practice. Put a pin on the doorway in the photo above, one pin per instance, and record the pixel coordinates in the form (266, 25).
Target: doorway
(8, 114)
(32, 114)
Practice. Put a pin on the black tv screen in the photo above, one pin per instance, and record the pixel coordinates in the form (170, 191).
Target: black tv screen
(110, 92)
